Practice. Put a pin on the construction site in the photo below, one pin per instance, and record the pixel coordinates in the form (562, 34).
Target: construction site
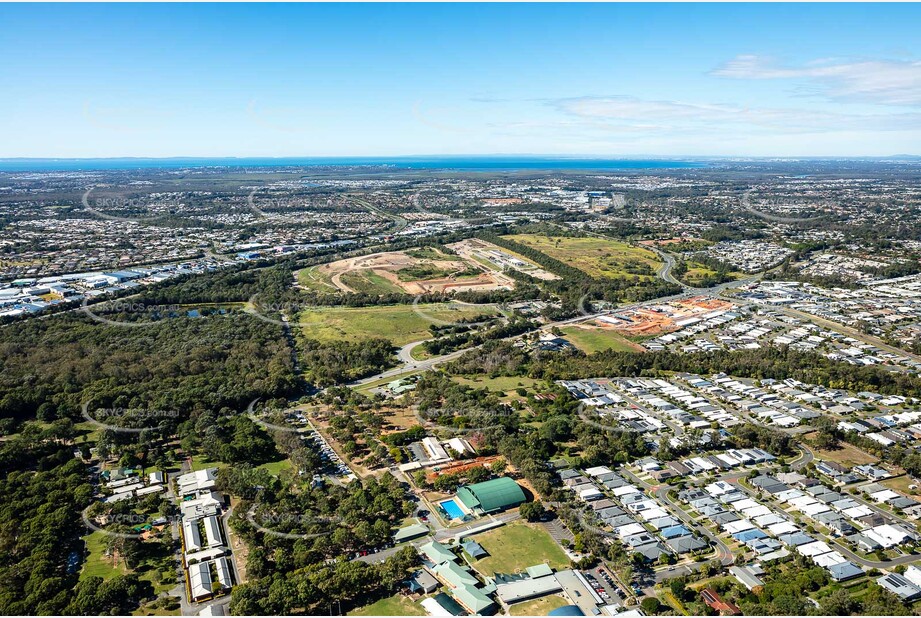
(497, 259)
(460, 466)
(393, 269)
(654, 320)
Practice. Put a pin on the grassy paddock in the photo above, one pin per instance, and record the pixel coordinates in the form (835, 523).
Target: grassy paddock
(398, 323)
(313, 279)
(598, 257)
(498, 385)
(591, 340)
(847, 454)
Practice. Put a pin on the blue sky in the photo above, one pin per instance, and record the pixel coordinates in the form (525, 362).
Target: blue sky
(381, 79)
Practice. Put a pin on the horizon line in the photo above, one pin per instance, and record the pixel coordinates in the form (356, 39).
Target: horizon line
(605, 157)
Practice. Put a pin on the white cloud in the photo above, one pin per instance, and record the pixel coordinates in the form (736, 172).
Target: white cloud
(629, 114)
(891, 82)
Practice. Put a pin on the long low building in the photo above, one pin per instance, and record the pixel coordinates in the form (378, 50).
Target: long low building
(524, 589)
(222, 569)
(199, 581)
(191, 534)
(197, 482)
(213, 531)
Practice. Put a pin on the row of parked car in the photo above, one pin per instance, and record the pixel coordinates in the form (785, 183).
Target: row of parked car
(327, 454)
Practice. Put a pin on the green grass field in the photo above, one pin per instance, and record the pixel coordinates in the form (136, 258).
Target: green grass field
(200, 462)
(537, 607)
(97, 564)
(276, 467)
(313, 279)
(697, 272)
(398, 323)
(397, 605)
(497, 385)
(369, 282)
(599, 257)
(517, 546)
(591, 340)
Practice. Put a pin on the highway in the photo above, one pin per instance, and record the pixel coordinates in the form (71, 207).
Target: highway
(746, 206)
(665, 271)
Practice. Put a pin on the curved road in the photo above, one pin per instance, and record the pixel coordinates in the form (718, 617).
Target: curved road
(746, 206)
(723, 553)
(805, 458)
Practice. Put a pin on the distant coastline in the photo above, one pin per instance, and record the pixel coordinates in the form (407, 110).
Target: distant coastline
(489, 163)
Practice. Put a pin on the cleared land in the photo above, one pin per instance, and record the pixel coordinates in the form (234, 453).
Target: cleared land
(498, 385)
(401, 324)
(312, 279)
(397, 605)
(591, 339)
(598, 257)
(497, 259)
(517, 546)
(538, 607)
(415, 271)
(903, 484)
(650, 321)
(848, 455)
(507, 387)
(369, 282)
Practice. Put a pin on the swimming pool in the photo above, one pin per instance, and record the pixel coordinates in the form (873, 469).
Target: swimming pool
(450, 507)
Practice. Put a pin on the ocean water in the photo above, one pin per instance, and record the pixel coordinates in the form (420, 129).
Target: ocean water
(481, 163)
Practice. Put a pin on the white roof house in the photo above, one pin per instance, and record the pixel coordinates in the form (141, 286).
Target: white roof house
(196, 482)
